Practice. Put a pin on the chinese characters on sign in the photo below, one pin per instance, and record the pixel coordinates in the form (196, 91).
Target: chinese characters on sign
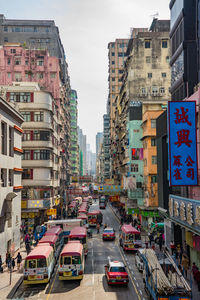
(185, 210)
(182, 143)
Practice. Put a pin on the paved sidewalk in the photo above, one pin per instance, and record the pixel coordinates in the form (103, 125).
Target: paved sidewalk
(16, 277)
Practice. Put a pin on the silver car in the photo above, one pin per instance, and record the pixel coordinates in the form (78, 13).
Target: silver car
(138, 260)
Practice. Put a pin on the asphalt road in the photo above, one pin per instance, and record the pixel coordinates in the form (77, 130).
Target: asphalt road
(94, 285)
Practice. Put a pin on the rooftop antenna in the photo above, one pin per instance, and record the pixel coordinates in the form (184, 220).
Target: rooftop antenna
(154, 15)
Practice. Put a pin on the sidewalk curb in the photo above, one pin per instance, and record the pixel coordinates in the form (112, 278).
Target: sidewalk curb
(15, 288)
(114, 212)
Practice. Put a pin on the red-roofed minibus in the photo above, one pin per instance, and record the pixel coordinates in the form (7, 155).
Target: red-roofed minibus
(95, 217)
(72, 208)
(39, 265)
(52, 240)
(72, 261)
(79, 234)
(83, 217)
(130, 238)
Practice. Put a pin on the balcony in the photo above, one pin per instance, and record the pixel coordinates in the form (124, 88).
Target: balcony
(37, 164)
(37, 144)
(38, 182)
(37, 125)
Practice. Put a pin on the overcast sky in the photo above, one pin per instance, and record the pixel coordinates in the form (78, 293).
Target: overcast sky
(86, 27)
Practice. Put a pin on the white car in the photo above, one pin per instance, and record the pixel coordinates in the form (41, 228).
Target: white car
(138, 260)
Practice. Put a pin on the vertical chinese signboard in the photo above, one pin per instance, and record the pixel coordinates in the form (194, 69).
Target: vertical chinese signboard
(182, 143)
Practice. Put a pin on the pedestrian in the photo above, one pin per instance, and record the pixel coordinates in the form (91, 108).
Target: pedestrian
(98, 227)
(194, 269)
(1, 269)
(160, 242)
(185, 264)
(172, 247)
(27, 238)
(153, 246)
(197, 278)
(28, 249)
(13, 263)
(151, 238)
(8, 260)
(19, 260)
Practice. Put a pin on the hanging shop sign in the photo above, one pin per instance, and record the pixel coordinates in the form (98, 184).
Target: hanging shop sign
(184, 210)
(182, 143)
(51, 212)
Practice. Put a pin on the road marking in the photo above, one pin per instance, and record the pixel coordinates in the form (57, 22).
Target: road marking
(52, 285)
(130, 275)
(140, 292)
(137, 284)
(134, 278)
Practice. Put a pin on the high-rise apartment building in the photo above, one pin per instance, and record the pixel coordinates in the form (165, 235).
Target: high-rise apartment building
(10, 178)
(82, 149)
(99, 140)
(74, 153)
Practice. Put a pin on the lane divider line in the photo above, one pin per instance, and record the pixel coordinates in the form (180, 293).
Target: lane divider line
(52, 285)
(130, 275)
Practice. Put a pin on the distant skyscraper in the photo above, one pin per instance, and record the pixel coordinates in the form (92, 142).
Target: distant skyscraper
(99, 140)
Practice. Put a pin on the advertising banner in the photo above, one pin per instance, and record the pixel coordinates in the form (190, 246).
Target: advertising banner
(182, 143)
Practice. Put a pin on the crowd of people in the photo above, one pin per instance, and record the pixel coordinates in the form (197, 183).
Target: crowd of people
(10, 262)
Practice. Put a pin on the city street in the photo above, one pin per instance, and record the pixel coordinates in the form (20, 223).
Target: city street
(93, 285)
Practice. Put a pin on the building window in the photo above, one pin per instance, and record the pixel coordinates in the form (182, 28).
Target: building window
(41, 155)
(113, 71)
(134, 168)
(5, 29)
(148, 59)
(113, 62)
(147, 44)
(26, 115)
(149, 75)
(164, 43)
(40, 62)
(17, 61)
(153, 123)
(143, 90)
(164, 75)
(120, 71)
(154, 160)
(40, 75)
(4, 138)
(38, 116)
(18, 77)
(53, 75)
(153, 178)
(11, 141)
(113, 53)
(121, 54)
(26, 62)
(113, 78)
(3, 177)
(26, 155)
(20, 97)
(11, 178)
(5, 40)
(113, 88)
(167, 59)
(153, 142)
(8, 61)
(9, 75)
(154, 90)
(26, 136)
(36, 135)
(12, 50)
(27, 174)
(162, 90)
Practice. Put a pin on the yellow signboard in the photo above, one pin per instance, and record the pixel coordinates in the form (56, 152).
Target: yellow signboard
(23, 204)
(26, 215)
(51, 212)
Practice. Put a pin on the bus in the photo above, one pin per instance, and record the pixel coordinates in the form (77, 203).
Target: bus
(54, 241)
(66, 225)
(95, 217)
(79, 234)
(130, 238)
(55, 230)
(39, 265)
(72, 208)
(83, 217)
(72, 261)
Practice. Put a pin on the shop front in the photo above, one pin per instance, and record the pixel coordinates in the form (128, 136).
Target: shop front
(184, 214)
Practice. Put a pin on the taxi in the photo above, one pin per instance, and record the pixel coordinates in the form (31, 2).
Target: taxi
(116, 273)
(108, 234)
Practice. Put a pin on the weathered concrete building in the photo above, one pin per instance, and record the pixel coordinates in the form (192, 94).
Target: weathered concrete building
(10, 180)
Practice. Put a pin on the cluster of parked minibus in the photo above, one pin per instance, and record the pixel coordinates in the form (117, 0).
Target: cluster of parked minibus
(65, 241)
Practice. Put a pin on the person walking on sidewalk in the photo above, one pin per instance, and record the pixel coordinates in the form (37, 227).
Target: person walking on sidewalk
(13, 263)
(19, 260)
(185, 264)
(197, 278)
(160, 242)
(8, 260)
(1, 269)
